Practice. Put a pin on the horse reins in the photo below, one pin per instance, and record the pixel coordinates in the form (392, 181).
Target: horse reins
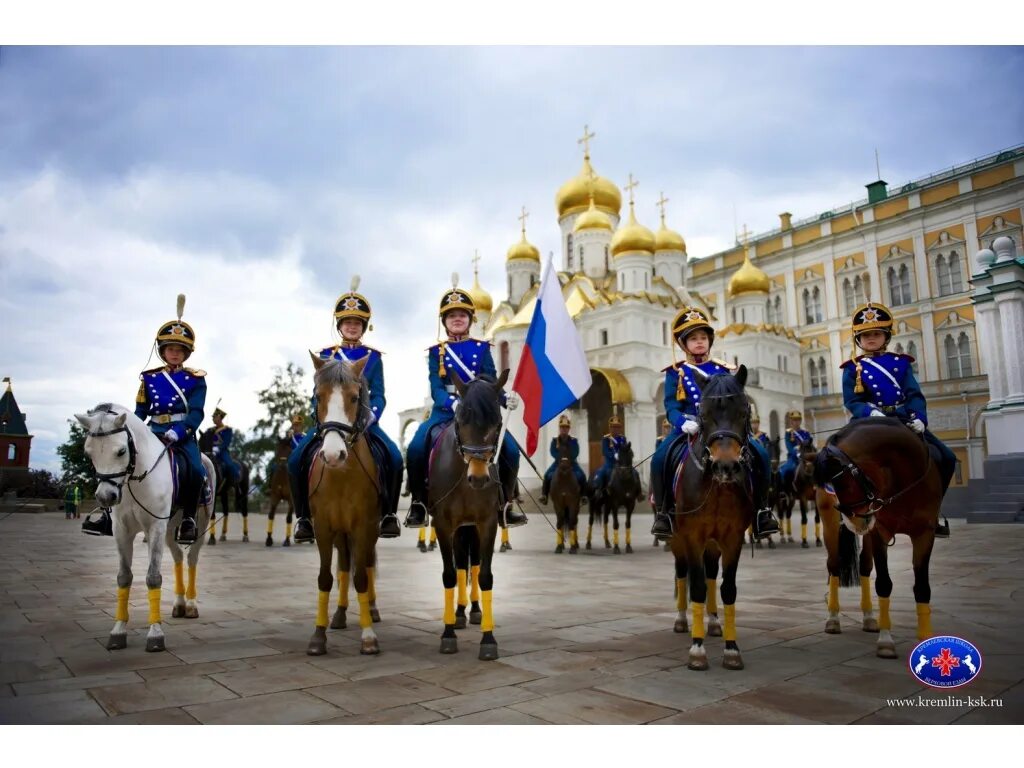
(112, 477)
(350, 435)
(871, 500)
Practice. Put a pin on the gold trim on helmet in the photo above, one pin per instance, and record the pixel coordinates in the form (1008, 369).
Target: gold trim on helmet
(176, 332)
(614, 421)
(219, 412)
(351, 307)
(795, 415)
(876, 317)
(688, 320)
(563, 421)
(456, 298)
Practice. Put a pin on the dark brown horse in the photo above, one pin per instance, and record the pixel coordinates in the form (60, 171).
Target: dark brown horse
(885, 482)
(714, 506)
(464, 497)
(622, 492)
(802, 491)
(225, 485)
(565, 498)
(343, 496)
(280, 490)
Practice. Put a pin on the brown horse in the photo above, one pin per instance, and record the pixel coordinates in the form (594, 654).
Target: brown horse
(280, 490)
(885, 482)
(565, 498)
(714, 506)
(343, 494)
(465, 497)
(801, 491)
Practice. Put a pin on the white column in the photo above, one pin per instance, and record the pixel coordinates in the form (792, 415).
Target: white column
(971, 236)
(990, 350)
(930, 348)
(1011, 316)
(831, 298)
(792, 310)
(921, 268)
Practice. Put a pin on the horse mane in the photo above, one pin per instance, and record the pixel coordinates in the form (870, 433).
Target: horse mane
(338, 373)
(479, 404)
(720, 385)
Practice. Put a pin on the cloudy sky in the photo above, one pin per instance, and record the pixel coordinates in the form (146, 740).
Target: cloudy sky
(257, 181)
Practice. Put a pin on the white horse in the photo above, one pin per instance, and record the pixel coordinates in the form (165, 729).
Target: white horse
(134, 469)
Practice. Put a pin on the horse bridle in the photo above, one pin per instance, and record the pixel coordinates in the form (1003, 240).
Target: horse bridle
(720, 434)
(127, 472)
(871, 500)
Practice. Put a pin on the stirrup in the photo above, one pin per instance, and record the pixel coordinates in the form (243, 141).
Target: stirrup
(771, 525)
(417, 515)
(512, 517)
(303, 530)
(389, 527)
(104, 526)
(662, 527)
(186, 527)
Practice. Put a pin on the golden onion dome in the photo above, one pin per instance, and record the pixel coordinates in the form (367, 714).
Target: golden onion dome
(666, 239)
(574, 195)
(523, 250)
(634, 236)
(481, 299)
(748, 279)
(592, 219)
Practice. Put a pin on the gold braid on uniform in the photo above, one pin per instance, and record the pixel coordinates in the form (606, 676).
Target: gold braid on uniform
(858, 387)
(680, 388)
(440, 360)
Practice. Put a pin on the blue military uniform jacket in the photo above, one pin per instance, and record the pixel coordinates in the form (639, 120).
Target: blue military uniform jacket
(889, 386)
(682, 375)
(178, 406)
(793, 439)
(610, 445)
(297, 438)
(373, 372)
(222, 439)
(574, 449)
(763, 439)
(469, 358)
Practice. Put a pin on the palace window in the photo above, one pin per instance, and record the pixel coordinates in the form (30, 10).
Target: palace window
(12, 452)
(812, 305)
(948, 273)
(912, 351)
(817, 374)
(664, 333)
(503, 355)
(958, 356)
(604, 338)
(899, 285)
(568, 249)
(607, 263)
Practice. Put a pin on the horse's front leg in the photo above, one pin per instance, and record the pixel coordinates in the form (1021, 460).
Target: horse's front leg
(486, 532)
(833, 564)
(178, 556)
(711, 558)
(803, 524)
(461, 580)
(698, 595)
(340, 620)
(731, 658)
(324, 581)
(922, 553)
(449, 640)
(866, 563)
(629, 528)
(125, 541)
(368, 645)
(817, 526)
(886, 647)
(682, 568)
(154, 582)
(274, 501)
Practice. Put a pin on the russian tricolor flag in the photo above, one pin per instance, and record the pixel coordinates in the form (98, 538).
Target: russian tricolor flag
(553, 372)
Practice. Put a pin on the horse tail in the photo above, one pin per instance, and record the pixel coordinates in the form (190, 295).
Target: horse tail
(849, 569)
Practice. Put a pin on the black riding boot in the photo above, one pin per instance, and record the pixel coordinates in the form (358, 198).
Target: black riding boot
(299, 484)
(584, 492)
(102, 526)
(187, 531)
(662, 528)
(511, 516)
(545, 490)
(765, 523)
(417, 516)
(389, 527)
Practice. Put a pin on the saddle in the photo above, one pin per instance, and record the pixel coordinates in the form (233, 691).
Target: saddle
(181, 475)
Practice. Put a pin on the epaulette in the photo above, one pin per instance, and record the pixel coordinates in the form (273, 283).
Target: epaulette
(673, 367)
(724, 364)
(221, 428)
(329, 350)
(141, 396)
(197, 372)
(850, 362)
(152, 370)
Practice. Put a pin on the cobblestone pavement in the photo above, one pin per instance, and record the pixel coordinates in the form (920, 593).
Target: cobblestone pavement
(583, 638)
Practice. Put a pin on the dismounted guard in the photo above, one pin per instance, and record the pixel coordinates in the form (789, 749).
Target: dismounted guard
(693, 333)
(222, 437)
(611, 444)
(794, 437)
(564, 425)
(172, 397)
(882, 383)
(352, 320)
(469, 357)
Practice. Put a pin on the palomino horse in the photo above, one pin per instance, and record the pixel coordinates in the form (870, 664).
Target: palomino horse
(280, 490)
(464, 497)
(884, 482)
(344, 496)
(565, 498)
(714, 506)
(802, 490)
(225, 484)
(134, 469)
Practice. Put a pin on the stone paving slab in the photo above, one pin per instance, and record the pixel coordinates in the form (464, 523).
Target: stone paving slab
(583, 639)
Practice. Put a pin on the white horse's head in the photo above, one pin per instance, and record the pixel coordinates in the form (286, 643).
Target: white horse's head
(342, 406)
(111, 449)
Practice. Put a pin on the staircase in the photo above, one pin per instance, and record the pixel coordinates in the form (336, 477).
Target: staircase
(1003, 498)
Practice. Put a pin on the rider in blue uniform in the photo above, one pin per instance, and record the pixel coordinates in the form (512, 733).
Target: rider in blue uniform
(666, 430)
(564, 424)
(298, 422)
(352, 319)
(794, 436)
(172, 397)
(882, 383)
(694, 334)
(470, 358)
(761, 437)
(222, 436)
(610, 446)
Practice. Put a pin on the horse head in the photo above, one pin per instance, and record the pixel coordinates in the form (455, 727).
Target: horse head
(111, 448)
(478, 423)
(342, 405)
(724, 414)
(626, 456)
(283, 449)
(564, 448)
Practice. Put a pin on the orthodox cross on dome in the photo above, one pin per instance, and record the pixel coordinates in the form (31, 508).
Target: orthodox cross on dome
(585, 141)
(744, 237)
(630, 186)
(476, 262)
(522, 218)
(661, 204)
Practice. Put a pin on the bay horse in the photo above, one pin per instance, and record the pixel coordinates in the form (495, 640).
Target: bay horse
(135, 472)
(464, 497)
(280, 490)
(714, 506)
(802, 490)
(565, 498)
(225, 484)
(876, 479)
(344, 496)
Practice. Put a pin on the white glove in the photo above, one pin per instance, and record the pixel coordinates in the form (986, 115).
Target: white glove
(372, 419)
(691, 427)
(170, 436)
(216, 450)
(876, 413)
(917, 425)
(512, 401)
(455, 405)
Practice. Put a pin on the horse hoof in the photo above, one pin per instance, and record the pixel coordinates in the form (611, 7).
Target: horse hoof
(449, 645)
(155, 644)
(223, 537)
(270, 541)
(191, 612)
(886, 652)
(503, 547)
(804, 544)
(318, 642)
(588, 545)
(732, 659)
(369, 646)
(374, 615)
(433, 546)
(178, 612)
(698, 663)
(286, 543)
(212, 541)
(574, 549)
(714, 630)
(488, 651)
(666, 547)
(421, 546)
(681, 627)
(460, 621)
(338, 621)
(817, 542)
(870, 625)
(245, 538)
(832, 627)
(771, 544)
(629, 549)
(607, 544)
(559, 549)
(656, 542)
(117, 642)
(616, 551)
(475, 617)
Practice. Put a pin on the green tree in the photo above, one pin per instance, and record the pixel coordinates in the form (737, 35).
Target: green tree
(41, 485)
(75, 465)
(287, 395)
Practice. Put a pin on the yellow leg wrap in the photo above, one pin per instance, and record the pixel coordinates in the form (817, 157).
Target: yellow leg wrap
(573, 539)
(224, 525)
(504, 535)
(474, 583)
(559, 538)
(865, 593)
(322, 599)
(190, 590)
(789, 526)
(712, 599)
(423, 534)
(287, 530)
(179, 578)
(750, 530)
(833, 594)
(460, 579)
(924, 621)
(371, 583)
(606, 530)
(433, 535)
(629, 536)
(121, 614)
(697, 627)
(487, 622)
(615, 537)
(449, 606)
(729, 633)
(680, 594)
(590, 530)
(245, 526)
(817, 530)
(364, 610)
(884, 622)
(154, 605)
(343, 589)
(270, 526)
(803, 531)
